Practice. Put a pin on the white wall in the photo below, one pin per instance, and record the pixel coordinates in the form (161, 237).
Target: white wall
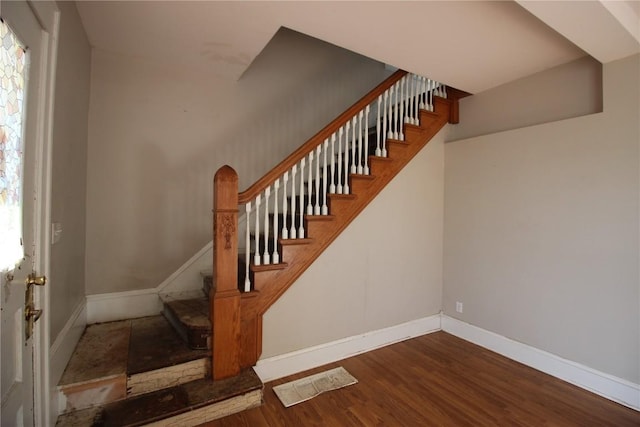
(69, 166)
(157, 134)
(569, 90)
(383, 270)
(542, 231)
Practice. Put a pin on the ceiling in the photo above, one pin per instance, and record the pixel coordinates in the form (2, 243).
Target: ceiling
(472, 45)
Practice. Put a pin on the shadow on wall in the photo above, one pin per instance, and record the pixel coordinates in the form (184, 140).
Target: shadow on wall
(182, 129)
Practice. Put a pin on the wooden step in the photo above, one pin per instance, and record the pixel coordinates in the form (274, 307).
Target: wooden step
(188, 404)
(140, 372)
(190, 318)
(97, 371)
(116, 360)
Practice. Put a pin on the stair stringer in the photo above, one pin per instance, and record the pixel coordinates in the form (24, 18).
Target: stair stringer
(299, 254)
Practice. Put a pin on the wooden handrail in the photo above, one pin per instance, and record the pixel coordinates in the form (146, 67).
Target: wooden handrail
(275, 173)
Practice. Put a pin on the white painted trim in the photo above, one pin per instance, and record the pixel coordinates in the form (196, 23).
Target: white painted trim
(48, 16)
(184, 267)
(123, 305)
(605, 385)
(66, 341)
(61, 351)
(287, 364)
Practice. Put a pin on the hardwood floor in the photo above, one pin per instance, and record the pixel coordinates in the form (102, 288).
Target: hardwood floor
(439, 380)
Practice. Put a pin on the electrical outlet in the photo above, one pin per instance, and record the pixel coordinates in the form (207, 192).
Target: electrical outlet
(459, 307)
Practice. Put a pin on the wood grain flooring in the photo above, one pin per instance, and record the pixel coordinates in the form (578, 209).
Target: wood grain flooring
(439, 380)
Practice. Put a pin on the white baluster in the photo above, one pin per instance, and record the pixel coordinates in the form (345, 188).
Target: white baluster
(359, 168)
(345, 187)
(396, 134)
(410, 92)
(378, 150)
(247, 250)
(431, 88)
(285, 204)
(403, 84)
(403, 101)
(276, 255)
(293, 231)
(444, 91)
(309, 184)
(389, 121)
(325, 209)
(301, 196)
(340, 138)
(423, 92)
(256, 236)
(266, 259)
(366, 141)
(384, 123)
(416, 94)
(354, 169)
(392, 126)
(316, 207)
(332, 187)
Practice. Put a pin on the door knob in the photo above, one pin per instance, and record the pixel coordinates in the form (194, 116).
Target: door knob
(31, 314)
(32, 279)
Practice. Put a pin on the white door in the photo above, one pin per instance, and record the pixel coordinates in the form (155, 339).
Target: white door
(25, 61)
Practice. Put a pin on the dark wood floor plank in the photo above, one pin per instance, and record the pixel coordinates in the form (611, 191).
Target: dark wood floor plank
(439, 380)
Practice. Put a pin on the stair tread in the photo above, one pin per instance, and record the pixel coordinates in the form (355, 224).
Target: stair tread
(101, 353)
(193, 312)
(170, 402)
(155, 345)
(186, 397)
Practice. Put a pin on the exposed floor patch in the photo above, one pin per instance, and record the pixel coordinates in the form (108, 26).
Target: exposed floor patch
(298, 391)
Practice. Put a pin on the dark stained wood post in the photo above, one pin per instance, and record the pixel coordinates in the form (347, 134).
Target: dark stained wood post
(455, 95)
(225, 302)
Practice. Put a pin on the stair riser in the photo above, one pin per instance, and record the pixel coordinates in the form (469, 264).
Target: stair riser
(94, 393)
(397, 150)
(318, 225)
(168, 377)
(359, 184)
(212, 412)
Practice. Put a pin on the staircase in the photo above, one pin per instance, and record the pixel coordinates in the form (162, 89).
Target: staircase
(195, 363)
(293, 213)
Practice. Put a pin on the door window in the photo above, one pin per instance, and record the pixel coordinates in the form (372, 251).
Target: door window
(13, 72)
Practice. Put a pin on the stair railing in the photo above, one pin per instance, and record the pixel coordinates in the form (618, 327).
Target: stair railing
(274, 207)
(276, 204)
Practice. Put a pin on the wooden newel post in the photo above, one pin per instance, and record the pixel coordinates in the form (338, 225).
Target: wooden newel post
(225, 301)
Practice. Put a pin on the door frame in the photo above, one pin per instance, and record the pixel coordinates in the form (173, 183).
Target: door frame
(48, 15)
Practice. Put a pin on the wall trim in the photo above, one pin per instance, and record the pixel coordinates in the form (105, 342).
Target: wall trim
(123, 305)
(606, 385)
(61, 351)
(66, 341)
(184, 267)
(280, 366)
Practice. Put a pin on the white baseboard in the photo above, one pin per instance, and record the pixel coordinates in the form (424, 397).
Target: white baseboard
(123, 305)
(287, 364)
(605, 385)
(62, 349)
